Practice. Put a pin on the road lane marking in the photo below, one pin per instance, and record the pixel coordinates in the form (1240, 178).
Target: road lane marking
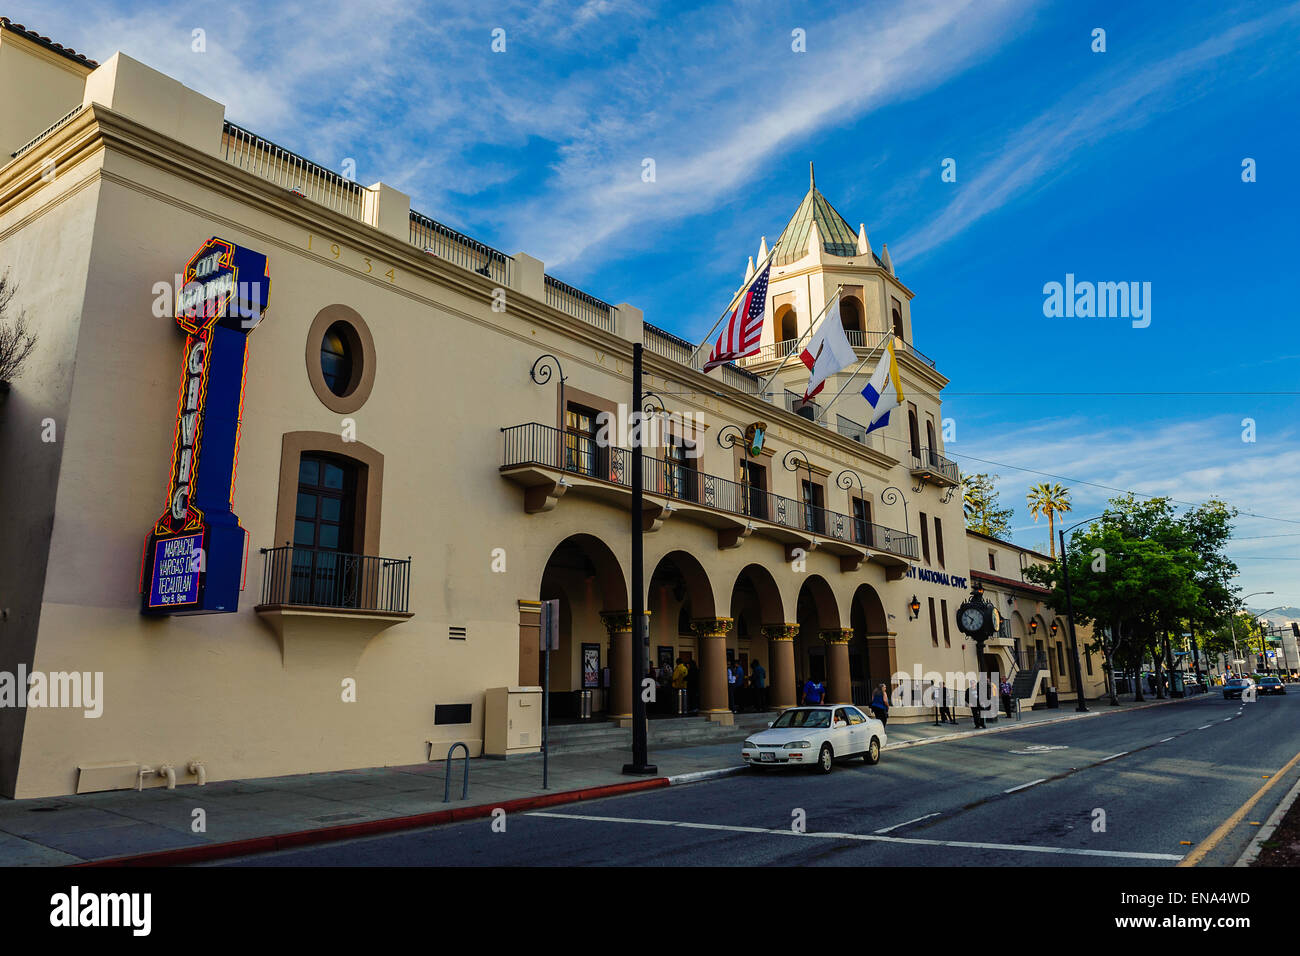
(906, 822)
(1166, 740)
(1122, 753)
(1226, 827)
(1202, 727)
(877, 838)
(1025, 786)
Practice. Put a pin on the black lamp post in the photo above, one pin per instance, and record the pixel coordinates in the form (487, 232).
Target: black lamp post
(640, 764)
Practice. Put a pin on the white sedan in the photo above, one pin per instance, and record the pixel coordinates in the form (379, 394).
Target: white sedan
(816, 736)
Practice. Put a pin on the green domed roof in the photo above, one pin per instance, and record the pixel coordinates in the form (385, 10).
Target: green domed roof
(838, 237)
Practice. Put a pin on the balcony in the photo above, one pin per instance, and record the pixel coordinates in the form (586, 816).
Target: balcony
(930, 467)
(549, 463)
(332, 581)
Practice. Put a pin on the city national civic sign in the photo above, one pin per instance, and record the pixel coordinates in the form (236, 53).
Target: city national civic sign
(194, 555)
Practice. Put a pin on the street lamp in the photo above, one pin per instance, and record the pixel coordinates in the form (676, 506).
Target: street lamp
(1263, 644)
(1232, 626)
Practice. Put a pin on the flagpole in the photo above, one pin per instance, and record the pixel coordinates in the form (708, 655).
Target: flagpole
(730, 306)
(762, 389)
(878, 347)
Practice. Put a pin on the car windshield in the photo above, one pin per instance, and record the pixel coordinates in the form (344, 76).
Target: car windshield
(1236, 682)
(804, 718)
(1270, 680)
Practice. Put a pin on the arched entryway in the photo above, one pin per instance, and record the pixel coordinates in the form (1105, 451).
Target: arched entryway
(685, 625)
(758, 629)
(872, 657)
(819, 619)
(595, 628)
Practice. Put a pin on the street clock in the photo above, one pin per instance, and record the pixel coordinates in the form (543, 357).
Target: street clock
(975, 618)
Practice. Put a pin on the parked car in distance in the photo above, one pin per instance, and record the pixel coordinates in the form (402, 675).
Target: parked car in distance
(1234, 688)
(1270, 685)
(816, 736)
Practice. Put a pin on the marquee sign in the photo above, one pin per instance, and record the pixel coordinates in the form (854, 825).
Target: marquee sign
(193, 558)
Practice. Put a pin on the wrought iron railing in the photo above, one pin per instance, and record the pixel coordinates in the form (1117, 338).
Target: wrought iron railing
(851, 429)
(1031, 660)
(305, 577)
(578, 304)
(931, 460)
(45, 134)
(248, 151)
(457, 248)
(547, 446)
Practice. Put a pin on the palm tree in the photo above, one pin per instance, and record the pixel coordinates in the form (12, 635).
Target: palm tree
(1050, 500)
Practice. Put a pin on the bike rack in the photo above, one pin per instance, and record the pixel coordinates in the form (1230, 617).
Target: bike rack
(446, 789)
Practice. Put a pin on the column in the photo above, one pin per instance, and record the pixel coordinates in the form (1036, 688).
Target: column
(711, 633)
(619, 626)
(838, 686)
(780, 638)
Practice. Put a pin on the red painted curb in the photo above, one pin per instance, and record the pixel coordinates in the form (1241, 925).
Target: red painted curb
(347, 831)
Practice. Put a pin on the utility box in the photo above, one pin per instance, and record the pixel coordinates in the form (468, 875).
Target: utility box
(512, 721)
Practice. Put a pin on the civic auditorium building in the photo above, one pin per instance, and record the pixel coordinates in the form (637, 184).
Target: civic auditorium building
(293, 465)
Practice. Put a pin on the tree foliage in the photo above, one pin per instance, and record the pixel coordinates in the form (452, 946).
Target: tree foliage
(981, 505)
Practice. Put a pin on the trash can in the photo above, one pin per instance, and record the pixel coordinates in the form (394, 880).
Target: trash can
(679, 701)
(584, 705)
(1053, 701)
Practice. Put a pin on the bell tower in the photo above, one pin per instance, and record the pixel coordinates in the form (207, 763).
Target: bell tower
(816, 253)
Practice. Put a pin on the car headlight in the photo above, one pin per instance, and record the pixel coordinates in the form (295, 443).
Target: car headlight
(750, 745)
(799, 745)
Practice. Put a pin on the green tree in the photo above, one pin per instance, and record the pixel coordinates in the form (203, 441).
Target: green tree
(1050, 500)
(981, 506)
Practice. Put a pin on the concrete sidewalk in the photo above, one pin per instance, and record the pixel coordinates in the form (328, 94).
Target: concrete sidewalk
(279, 811)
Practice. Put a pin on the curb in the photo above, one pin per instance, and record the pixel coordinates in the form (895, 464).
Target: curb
(1256, 846)
(284, 841)
(209, 852)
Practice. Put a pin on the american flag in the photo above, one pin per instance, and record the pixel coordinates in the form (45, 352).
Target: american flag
(744, 328)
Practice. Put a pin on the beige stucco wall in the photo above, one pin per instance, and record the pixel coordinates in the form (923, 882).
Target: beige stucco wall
(40, 87)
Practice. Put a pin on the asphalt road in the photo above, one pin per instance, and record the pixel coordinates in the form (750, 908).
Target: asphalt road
(1140, 788)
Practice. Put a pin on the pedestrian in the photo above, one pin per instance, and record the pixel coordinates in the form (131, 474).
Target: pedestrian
(976, 711)
(880, 704)
(1005, 688)
(945, 709)
(731, 689)
(693, 685)
(1151, 682)
(814, 692)
(743, 693)
(760, 685)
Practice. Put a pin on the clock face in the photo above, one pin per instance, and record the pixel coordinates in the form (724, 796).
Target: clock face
(971, 620)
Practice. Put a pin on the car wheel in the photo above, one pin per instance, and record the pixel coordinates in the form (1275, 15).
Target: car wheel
(872, 756)
(826, 759)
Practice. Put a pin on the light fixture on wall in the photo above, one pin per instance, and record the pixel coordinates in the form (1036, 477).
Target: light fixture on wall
(1033, 626)
(915, 608)
(1054, 627)
(979, 590)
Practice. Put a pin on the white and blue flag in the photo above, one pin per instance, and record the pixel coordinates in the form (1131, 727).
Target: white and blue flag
(885, 390)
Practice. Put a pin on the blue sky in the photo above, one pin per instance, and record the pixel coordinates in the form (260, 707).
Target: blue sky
(1116, 166)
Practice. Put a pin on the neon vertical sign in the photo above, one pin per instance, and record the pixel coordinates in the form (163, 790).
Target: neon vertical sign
(194, 555)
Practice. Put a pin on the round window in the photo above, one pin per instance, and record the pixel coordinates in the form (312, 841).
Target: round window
(337, 358)
(340, 357)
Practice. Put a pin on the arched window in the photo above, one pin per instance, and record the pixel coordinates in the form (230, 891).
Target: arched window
(787, 323)
(896, 316)
(929, 437)
(851, 316)
(913, 433)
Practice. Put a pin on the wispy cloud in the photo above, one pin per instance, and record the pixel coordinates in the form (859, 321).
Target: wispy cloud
(1187, 461)
(567, 114)
(1034, 154)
